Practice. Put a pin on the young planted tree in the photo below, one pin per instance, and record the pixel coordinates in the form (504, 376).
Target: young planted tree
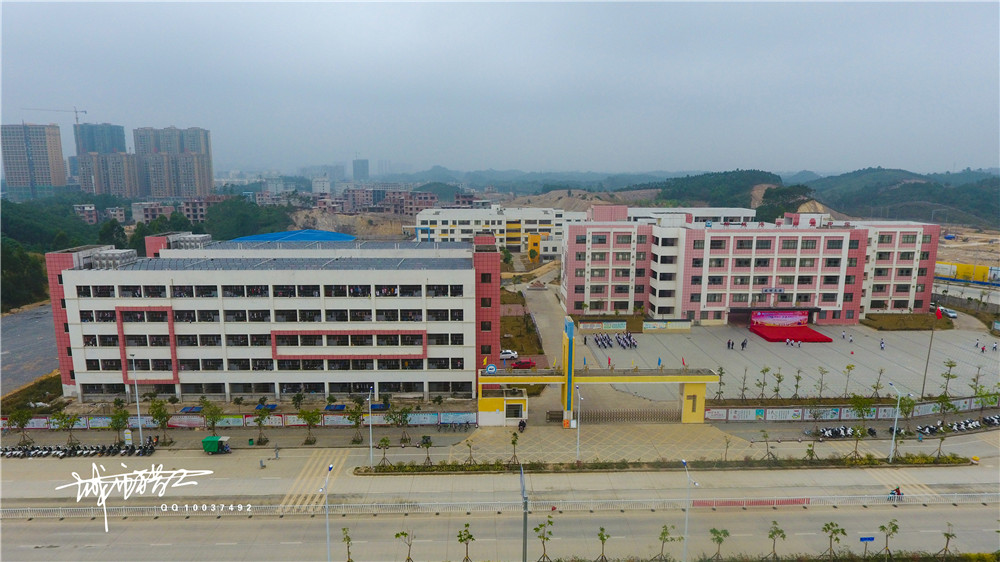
(347, 541)
(722, 383)
(834, 532)
(260, 420)
(158, 411)
(889, 530)
(65, 422)
(465, 537)
(426, 444)
(948, 376)
(906, 407)
(356, 415)
(119, 421)
(948, 535)
(469, 461)
(847, 373)
(862, 407)
(725, 452)
(603, 537)
(743, 386)
(810, 452)
(173, 402)
(400, 417)
(513, 443)
(238, 402)
(544, 533)
(775, 533)
(798, 380)
(297, 400)
(767, 445)
(945, 406)
(762, 382)
(312, 418)
(878, 383)
(778, 379)
(407, 538)
(20, 419)
(819, 385)
(665, 537)
(212, 412)
(383, 444)
(719, 536)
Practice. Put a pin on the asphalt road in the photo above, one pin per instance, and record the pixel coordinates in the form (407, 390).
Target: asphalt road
(496, 537)
(27, 347)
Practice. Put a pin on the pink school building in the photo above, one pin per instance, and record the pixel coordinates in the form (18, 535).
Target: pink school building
(683, 264)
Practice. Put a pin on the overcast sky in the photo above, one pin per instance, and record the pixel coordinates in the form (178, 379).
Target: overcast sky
(537, 87)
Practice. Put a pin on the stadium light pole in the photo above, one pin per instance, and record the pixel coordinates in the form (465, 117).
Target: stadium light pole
(895, 423)
(326, 503)
(687, 512)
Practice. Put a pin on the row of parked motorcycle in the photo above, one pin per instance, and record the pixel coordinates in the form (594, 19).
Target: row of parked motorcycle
(964, 425)
(64, 451)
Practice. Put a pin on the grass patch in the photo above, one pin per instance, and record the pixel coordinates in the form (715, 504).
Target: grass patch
(633, 322)
(511, 297)
(889, 322)
(45, 389)
(519, 333)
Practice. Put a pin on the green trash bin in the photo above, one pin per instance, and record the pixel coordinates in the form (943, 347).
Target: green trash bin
(251, 442)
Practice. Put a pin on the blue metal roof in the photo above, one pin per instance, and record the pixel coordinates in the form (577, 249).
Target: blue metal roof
(298, 236)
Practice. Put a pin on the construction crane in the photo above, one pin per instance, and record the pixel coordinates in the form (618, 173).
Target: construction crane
(76, 112)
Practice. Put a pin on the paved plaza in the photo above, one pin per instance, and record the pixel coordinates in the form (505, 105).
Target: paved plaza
(903, 359)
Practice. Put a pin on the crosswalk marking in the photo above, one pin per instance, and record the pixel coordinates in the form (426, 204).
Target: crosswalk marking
(305, 488)
(893, 477)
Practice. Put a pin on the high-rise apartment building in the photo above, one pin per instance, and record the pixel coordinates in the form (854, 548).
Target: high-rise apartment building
(174, 162)
(103, 138)
(32, 158)
(115, 174)
(361, 170)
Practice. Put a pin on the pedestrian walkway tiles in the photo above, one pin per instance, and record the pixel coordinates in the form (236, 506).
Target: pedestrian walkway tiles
(606, 442)
(304, 490)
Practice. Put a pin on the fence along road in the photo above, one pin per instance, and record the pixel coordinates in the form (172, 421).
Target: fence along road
(167, 509)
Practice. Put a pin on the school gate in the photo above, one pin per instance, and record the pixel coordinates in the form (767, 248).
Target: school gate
(498, 403)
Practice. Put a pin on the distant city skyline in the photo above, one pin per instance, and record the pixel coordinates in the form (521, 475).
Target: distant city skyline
(609, 88)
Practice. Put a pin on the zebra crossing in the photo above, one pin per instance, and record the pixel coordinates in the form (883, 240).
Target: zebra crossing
(304, 490)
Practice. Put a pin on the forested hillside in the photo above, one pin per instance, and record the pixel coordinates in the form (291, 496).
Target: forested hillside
(903, 195)
(719, 189)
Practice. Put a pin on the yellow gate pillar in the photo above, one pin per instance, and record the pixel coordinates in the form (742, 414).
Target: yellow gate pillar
(693, 402)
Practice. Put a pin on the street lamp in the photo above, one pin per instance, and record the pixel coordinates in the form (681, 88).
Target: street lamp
(371, 452)
(136, 380)
(895, 423)
(326, 502)
(687, 512)
(579, 419)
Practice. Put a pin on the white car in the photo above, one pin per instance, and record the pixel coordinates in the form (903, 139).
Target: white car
(508, 354)
(949, 312)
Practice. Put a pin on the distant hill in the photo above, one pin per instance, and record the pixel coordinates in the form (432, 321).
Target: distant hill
(445, 192)
(718, 189)
(967, 175)
(905, 195)
(519, 182)
(799, 177)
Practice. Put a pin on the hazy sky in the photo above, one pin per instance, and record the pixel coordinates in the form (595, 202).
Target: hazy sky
(608, 87)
